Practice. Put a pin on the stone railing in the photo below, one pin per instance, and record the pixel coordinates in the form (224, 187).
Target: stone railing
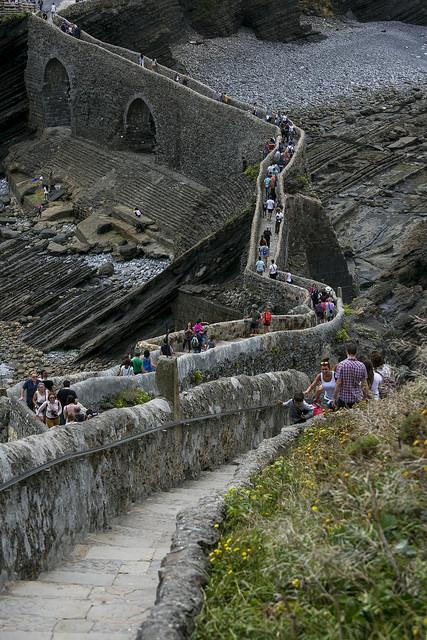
(10, 8)
(133, 56)
(36, 532)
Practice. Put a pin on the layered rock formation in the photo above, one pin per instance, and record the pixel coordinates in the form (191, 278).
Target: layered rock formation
(152, 27)
(368, 163)
(13, 97)
(410, 11)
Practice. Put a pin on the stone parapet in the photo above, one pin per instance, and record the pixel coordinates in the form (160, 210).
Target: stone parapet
(41, 517)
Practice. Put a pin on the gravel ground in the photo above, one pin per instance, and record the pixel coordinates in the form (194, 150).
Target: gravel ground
(131, 272)
(352, 58)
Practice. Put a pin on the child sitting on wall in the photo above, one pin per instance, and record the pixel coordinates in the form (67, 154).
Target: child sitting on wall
(299, 409)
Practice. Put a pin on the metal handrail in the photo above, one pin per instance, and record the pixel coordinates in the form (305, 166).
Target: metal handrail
(118, 443)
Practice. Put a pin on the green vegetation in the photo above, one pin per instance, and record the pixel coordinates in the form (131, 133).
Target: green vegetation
(196, 376)
(347, 309)
(342, 335)
(12, 17)
(128, 398)
(252, 172)
(296, 184)
(275, 350)
(329, 541)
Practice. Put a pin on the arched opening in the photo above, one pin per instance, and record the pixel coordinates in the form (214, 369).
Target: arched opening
(56, 95)
(140, 129)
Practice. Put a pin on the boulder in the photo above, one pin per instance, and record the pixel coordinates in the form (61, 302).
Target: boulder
(47, 233)
(56, 249)
(106, 269)
(8, 234)
(58, 212)
(128, 251)
(61, 238)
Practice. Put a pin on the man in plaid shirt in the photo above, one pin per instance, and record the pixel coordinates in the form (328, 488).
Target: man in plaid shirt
(351, 378)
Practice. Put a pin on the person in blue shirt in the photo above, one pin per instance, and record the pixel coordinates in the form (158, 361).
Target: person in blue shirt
(146, 363)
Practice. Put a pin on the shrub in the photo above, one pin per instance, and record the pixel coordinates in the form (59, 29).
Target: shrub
(414, 427)
(347, 310)
(252, 172)
(342, 335)
(364, 446)
(128, 398)
(196, 377)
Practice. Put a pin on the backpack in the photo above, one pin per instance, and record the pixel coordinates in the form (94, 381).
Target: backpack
(194, 342)
(267, 317)
(386, 387)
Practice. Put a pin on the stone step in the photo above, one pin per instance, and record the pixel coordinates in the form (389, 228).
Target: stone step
(107, 585)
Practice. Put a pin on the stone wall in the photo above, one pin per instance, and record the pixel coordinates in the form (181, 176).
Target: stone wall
(277, 351)
(91, 392)
(187, 307)
(103, 85)
(22, 421)
(42, 516)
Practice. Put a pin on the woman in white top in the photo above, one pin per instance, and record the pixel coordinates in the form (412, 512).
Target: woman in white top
(374, 380)
(126, 369)
(40, 397)
(324, 383)
(51, 409)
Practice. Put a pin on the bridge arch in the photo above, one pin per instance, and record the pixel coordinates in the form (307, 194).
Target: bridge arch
(140, 127)
(56, 95)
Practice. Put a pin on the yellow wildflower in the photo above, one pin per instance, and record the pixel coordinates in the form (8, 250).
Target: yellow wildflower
(216, 526)
(315, 507)
(296, 583)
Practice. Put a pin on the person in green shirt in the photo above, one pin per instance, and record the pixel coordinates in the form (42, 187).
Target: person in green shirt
(137, 363)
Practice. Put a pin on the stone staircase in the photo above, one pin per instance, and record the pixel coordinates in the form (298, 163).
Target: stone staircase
(180, 207)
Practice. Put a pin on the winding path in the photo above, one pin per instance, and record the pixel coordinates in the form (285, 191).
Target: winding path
(106, 586)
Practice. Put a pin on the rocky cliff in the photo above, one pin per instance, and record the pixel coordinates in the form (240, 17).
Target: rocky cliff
(410, 11)
(13, 97)
(152, 27)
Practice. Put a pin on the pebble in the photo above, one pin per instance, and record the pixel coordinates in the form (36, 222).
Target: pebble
(352, 58)
(130, 272)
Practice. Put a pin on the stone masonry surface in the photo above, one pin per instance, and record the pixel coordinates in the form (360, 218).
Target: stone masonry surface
(103, 85)
(184, 571)
(107, 584)
(44, 515)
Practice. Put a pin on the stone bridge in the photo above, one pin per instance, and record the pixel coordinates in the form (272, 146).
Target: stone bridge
(110, 99)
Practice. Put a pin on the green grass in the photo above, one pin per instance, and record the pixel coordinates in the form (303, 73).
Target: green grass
(128, 398)
(330, 541)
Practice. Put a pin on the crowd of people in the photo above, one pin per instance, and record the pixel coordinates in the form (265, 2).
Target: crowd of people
(53, 407)
(342, 386)
(324, 303)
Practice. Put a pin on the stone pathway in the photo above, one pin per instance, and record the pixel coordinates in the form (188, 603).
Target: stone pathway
(105, 589)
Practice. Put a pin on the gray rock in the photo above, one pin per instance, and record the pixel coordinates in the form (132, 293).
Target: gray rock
(61, 238)
(56, 249)
(47, 233)
(106, 269)
(128, 251)
(8, 234)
